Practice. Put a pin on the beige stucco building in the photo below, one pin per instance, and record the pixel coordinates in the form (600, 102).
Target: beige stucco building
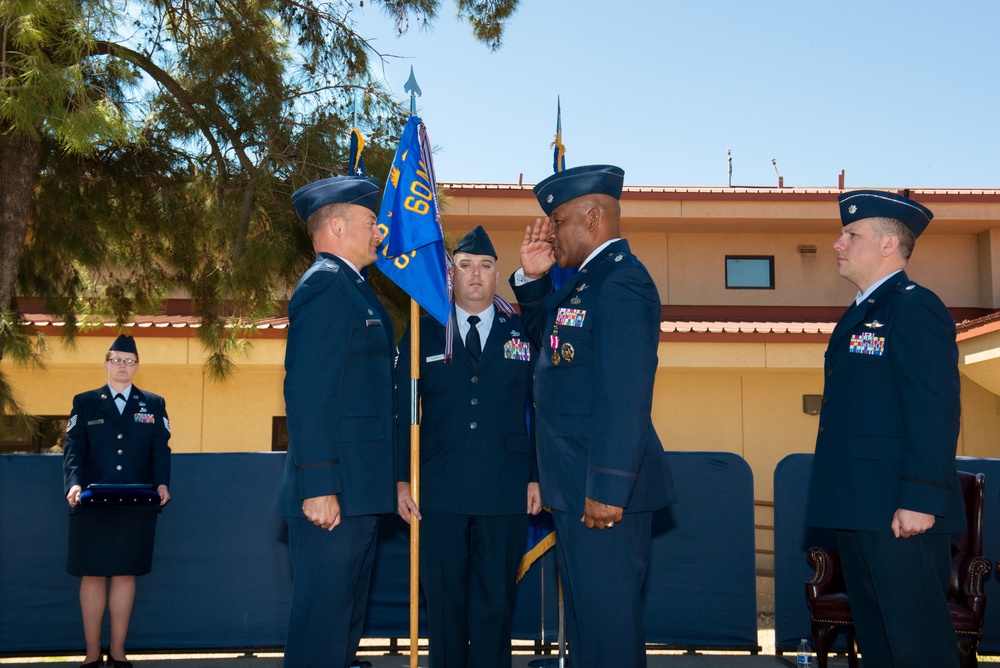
(736, 364)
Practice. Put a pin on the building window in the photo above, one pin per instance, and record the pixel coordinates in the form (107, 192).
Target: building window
(279, 434)
(32, 435)
(750, 272)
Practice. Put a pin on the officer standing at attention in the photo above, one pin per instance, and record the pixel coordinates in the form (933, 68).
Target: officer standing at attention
(116, 435)
(601, 464)
(477, 464)
(339, 471)
(884, 471)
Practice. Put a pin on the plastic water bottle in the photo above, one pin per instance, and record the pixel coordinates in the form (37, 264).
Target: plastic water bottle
(804, 656)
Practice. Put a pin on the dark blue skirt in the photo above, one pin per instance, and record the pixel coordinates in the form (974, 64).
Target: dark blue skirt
(115, 540)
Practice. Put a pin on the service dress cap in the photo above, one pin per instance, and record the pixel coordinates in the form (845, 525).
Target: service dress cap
(476, 242)
(860, 204)
(124, 344)
(575, 182)
(360, 190)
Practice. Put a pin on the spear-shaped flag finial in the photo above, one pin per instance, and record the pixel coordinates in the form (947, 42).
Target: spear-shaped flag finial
(413, 89)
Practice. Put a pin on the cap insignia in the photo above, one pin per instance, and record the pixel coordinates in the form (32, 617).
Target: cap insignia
(853, 209)
(548, 200)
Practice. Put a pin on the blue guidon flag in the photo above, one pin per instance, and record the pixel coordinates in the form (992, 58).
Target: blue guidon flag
(412, 253)
(541, 537)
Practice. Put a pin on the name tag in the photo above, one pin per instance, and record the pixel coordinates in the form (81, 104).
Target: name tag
(145, 418)
(373, 322)
(434, 358)
(90, 422)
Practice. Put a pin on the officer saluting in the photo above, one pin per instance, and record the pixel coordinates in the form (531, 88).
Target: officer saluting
(338, 397)
(884, 470)
(602, 468)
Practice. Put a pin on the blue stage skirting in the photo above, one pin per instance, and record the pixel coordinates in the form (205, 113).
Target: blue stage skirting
(221, 575)
(792, 539)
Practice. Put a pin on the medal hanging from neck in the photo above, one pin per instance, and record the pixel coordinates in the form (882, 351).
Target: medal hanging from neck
(554, 343)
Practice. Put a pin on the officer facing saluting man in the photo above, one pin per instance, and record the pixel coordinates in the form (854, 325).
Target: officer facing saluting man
(884, 471)
(602, 468)
(338, 398)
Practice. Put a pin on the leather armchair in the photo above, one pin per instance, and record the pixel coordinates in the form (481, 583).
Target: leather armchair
(830, 610)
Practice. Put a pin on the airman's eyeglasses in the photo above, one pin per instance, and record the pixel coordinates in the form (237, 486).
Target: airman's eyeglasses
(118, 361)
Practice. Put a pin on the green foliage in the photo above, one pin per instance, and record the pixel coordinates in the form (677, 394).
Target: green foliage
(48, 85)
(173, 133)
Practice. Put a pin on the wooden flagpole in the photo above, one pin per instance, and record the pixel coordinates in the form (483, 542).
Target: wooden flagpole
(414, 482)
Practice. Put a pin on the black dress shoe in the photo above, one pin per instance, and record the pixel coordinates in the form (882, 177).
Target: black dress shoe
(91, 664)
(115, 663)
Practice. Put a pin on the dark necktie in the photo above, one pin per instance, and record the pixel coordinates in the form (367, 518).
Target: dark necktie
(472, 341)
(121, 409)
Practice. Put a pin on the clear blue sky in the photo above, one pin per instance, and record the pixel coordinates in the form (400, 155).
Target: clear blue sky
(898, 94)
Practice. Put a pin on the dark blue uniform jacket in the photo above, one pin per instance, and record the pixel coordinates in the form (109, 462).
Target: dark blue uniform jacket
(105, 447)
(476, 454)
(595, 434)
(890, 418)
(338, 393)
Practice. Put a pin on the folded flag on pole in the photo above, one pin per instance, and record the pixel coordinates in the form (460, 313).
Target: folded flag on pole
(557, 273)
(356, 164)
(559, 151)
(412, 253)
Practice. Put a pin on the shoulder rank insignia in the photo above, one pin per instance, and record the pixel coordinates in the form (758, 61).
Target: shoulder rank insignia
(871, 301)
(874, 324)
(331, 265)
(910, 286)
(618, 258)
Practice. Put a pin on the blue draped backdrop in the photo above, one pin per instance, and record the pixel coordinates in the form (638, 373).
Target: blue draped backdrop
(221, 575)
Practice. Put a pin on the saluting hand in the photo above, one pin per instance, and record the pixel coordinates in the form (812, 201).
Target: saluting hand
(323, 511)
(536, 249)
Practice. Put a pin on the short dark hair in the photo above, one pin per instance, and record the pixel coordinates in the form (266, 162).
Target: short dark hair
(891, 226)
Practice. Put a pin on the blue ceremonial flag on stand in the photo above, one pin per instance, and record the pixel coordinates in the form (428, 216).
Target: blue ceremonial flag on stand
(412, 253)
